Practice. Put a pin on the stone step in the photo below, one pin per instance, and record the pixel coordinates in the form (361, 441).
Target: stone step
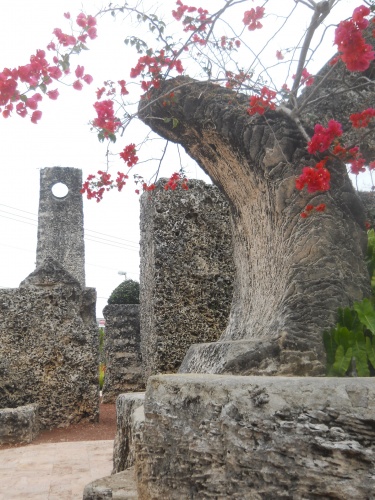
(120, 486)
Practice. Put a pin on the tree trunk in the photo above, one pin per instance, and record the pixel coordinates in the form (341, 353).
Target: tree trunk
(292, 274)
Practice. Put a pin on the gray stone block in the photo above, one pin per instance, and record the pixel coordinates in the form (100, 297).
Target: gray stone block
(60, 221)
(122, 351)
(19, 425)
(121, 486)
(186, 271)
(249, 357)
(49, 347)
(129, 408)
(212, 436)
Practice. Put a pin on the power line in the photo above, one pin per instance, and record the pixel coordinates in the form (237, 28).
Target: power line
(117, 237)
(18, 209)
(86, 230)
(17, 248)
(123, 247)
(115, 242)
(17, 220)
(22, 216)
(109, 268)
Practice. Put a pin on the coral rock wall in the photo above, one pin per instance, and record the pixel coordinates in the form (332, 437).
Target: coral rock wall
(122, 351)
(49, 347)
(186, 272)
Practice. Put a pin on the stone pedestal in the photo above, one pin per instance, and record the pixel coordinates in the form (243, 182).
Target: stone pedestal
(19, 425)
(60, 220)
(129, 412)
(122, 351)
(49, 347)
(186, 271)
(212, 436)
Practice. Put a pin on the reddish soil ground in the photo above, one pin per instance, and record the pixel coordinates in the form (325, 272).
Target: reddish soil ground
(84, 431)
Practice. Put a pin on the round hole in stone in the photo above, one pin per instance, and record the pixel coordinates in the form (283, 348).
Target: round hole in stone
(60, 190)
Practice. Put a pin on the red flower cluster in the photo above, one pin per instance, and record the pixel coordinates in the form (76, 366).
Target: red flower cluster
(179, 13)
(33, 74)
(199, 23)
(260, 104)
(123, 88)
(355, 52)
(121, 180)
(307, 78)
(362, 119)
(129, 155)
(251, 18)
(235, 81)
(357, 165)
(147, 187)
(64, 39)
(175, 180)
(323, 137)
(154, 65)
(314, 178)
(88, 23)
(227, 44)
(106, 119)
(109, 89)
(351, 156)
(79, 72)
(309, 209)
(40, 73)
(169, 100)
(95, 186)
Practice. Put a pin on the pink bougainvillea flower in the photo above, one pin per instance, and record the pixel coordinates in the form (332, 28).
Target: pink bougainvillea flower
(88, 79)
(80, 71)
(77, 85)
(53, 94)
(323, 137)
(37, 115)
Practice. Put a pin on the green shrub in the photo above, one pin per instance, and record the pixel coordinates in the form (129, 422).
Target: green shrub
(350, 346)
(101, 345)
(126, 293)
(102, 368)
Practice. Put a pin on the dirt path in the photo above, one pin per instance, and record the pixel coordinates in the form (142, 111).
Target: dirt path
(103, 430)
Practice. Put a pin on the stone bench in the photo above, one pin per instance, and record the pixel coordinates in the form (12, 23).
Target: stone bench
(19, 425)
(121, 484)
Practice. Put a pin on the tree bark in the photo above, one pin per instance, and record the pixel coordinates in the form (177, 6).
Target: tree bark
(292, 274)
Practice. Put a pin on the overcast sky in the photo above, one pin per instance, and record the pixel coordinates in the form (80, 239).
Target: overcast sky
(63, 138)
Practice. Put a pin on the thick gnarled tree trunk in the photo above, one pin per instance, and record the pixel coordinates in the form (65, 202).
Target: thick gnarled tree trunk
(292, 274)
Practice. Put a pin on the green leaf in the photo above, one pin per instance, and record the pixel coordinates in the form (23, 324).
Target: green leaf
(330, 347)
(366, 313)
(43, 87)
(349, 318)
(342, 360)
(341, 336)
(175, 122)
(358, 343)
(166, 120)
(362, 364)
(112, 137)
(370, 258)
(370, 349)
